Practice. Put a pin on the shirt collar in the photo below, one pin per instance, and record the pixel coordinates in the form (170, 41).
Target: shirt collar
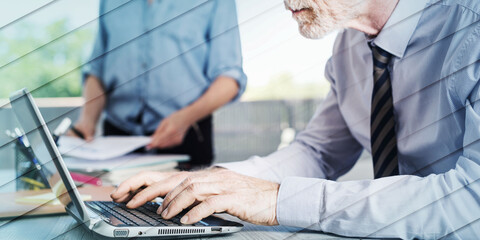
(397, 32)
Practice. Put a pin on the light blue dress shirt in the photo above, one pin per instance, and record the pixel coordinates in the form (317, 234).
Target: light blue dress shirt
(435, 76)
(154, 59)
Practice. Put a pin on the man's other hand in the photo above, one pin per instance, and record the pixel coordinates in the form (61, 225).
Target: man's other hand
(210, 191)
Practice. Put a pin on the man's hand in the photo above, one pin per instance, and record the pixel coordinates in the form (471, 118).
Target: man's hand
(171, 130)
(129, 188)
(210, 191)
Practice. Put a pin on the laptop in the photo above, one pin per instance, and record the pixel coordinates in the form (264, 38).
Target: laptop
(106, 218)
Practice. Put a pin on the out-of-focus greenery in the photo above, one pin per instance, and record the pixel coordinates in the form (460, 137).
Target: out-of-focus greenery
(54, 70)
(49, 71)
(283, 86)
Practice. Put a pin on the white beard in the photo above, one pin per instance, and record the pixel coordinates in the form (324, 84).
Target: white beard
(324, 16)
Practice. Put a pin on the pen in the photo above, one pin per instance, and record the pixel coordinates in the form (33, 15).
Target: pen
(77, 132)
(198, 131)
(32, 182)
(31, 156)
(61, 129)
(18, 132)
(37, 165)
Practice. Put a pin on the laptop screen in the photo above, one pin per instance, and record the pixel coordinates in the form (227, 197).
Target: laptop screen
(46, 153)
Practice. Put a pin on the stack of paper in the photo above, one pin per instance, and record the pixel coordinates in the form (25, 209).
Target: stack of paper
(116, 170)
(125, 162)
(117, 176)
(101, 148)
(109, 158)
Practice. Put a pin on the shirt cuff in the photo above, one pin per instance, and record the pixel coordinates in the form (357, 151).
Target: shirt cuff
(300, 202)
(92, 68)
(239, 76)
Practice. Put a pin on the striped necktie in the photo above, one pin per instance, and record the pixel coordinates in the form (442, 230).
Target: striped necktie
(382, 122)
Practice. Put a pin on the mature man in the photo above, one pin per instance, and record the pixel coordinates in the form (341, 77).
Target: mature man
(404, 86)
(160, 68)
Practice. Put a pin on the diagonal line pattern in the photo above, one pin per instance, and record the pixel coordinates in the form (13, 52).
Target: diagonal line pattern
(61, 36)
(147, 71)
(434, 43)
(460, 70)
(138, 37)
(28, 14)
(428, 86)
(194, 87)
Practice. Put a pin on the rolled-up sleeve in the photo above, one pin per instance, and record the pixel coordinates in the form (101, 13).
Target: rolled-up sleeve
(225, 54)
(95, 63)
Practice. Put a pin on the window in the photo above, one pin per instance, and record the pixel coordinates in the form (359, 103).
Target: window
(43, 45)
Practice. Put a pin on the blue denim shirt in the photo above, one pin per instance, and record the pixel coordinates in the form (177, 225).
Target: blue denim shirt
(155, 59)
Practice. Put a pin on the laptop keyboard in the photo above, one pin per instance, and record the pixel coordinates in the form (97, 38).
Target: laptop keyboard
(143, 216)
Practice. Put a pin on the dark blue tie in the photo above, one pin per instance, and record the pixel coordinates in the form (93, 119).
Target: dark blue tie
(382, 122)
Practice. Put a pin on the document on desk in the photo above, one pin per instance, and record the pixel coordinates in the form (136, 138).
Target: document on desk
(125, 162)
(46, 198)
(101, 148)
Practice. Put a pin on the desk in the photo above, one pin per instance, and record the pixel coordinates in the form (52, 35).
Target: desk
(65, 227)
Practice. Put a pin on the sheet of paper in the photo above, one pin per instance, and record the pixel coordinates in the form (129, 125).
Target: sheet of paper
(102, 148)
(46, 198)
(124, 162)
